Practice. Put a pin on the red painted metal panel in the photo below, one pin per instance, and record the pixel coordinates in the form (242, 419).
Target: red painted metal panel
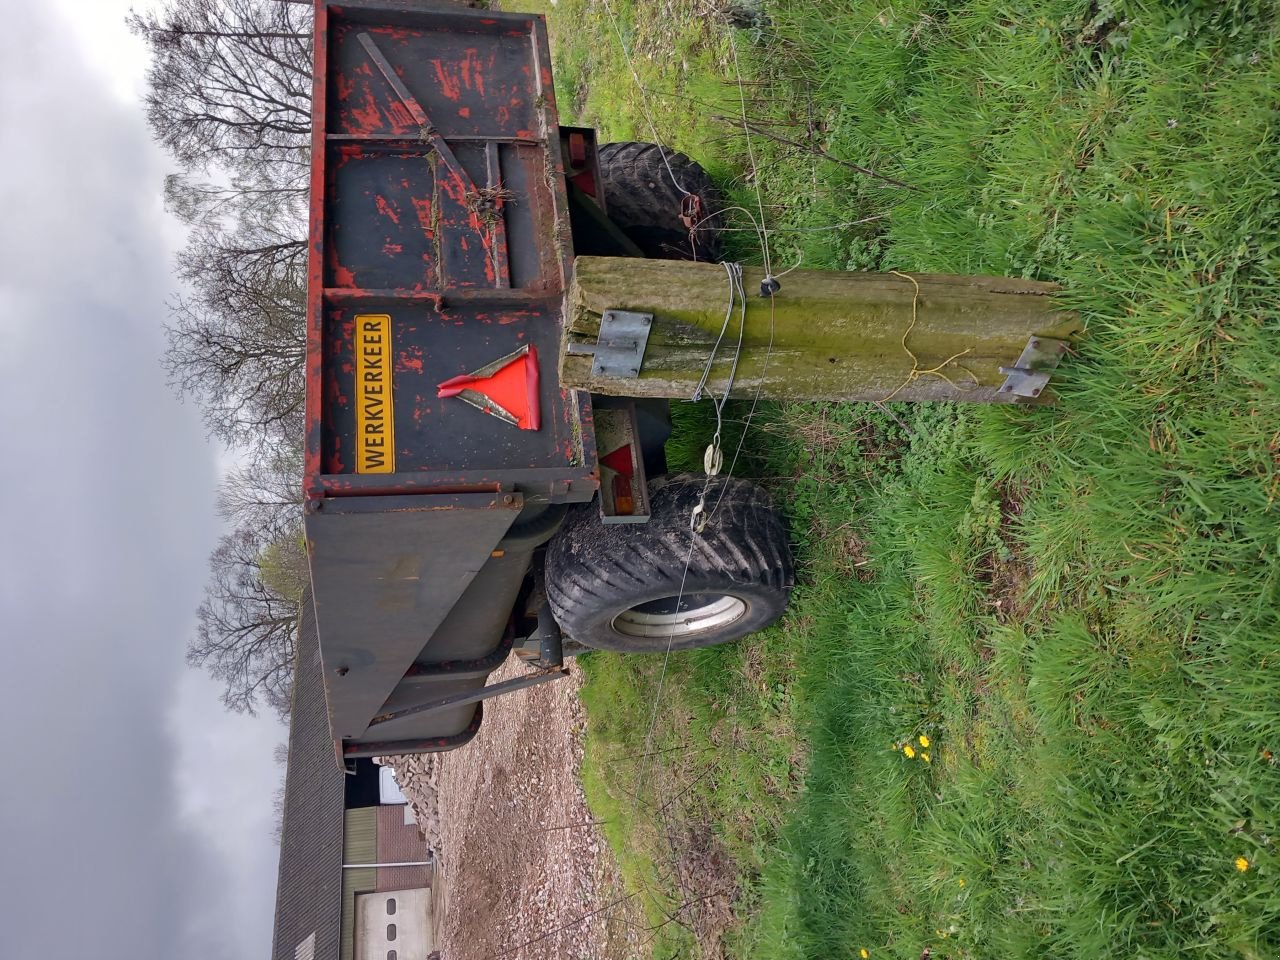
(438, 201)
(315, 255)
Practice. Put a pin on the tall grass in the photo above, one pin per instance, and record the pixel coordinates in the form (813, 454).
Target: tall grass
(1079, 607)
(1103, 764)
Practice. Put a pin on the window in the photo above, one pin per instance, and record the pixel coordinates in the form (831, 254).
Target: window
(391, 907)
(391, 931)
(391, 955)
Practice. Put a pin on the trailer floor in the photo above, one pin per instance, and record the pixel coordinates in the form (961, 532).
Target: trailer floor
(520, 857)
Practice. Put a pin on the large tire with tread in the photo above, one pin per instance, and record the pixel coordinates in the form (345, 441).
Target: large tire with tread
(643, 200)
(619, 586)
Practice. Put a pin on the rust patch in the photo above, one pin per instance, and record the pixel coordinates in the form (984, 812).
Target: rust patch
(423, 208)
(401, 118)
(469, 70)
(449, 85)
(387, 208)
(367, 118)
(342, 277)
(409, 361)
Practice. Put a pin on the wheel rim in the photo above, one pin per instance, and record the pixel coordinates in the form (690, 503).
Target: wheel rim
(676, 618)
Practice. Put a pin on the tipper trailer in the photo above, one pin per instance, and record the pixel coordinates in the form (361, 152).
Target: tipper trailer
(460, 504)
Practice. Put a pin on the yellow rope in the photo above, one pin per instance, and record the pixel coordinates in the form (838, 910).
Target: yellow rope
(916, 373)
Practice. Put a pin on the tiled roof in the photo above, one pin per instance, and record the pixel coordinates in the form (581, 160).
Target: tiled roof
(309, 889)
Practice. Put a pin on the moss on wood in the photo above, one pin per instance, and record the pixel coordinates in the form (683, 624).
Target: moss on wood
(835, 336)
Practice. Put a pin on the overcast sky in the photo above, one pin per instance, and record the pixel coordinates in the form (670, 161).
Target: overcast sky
(136, 813)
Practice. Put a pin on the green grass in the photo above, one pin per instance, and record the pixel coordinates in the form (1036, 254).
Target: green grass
(1078, 607)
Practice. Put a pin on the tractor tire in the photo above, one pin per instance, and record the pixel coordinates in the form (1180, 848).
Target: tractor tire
(643, 199)
(642, 588)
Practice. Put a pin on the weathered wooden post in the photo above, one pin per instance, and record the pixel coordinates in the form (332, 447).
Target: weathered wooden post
(835, 335)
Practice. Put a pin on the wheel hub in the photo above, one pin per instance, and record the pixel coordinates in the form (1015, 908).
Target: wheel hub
(678, 617)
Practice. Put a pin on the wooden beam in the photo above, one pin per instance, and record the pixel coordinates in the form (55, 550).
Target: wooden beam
(836, 335)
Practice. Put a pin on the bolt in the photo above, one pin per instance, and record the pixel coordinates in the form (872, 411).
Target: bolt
(1035, 343)
(1035, 392)
(1006, 388)
(342, 671)
(508, 498)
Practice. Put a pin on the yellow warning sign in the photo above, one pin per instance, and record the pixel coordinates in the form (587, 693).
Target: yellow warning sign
(375, 414)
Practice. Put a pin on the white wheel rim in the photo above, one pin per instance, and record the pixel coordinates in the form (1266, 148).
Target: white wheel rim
(694, 614)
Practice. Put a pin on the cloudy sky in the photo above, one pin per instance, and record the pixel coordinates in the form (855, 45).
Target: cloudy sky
(136, 814)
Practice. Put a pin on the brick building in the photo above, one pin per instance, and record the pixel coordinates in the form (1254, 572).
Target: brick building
(343, 891)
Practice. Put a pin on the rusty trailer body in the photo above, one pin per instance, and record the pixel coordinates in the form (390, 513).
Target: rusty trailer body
(440, 449)
(446, 466)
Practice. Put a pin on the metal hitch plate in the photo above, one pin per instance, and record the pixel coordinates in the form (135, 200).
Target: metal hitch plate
(1030, 375)
(619, 349)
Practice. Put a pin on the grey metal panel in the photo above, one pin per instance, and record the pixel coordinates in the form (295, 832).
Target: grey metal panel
(426, 727)
(386, 571)
(481, 613)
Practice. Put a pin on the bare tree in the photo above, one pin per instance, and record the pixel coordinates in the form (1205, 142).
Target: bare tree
(266, 494)
(237, 340)
(281, 756)
(246, 633)
(229, 96)
(247, 625)
(230, 83)
(259, 198)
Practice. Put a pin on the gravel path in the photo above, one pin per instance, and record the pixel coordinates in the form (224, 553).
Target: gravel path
(518, 856)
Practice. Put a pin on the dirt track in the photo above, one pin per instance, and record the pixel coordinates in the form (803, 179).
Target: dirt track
(519, 858)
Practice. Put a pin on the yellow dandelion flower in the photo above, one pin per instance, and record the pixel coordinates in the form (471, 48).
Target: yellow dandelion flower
(910, 751)
(864, 953)
(1242, 864)
(924, 741)
(925, 758)
(962, 881)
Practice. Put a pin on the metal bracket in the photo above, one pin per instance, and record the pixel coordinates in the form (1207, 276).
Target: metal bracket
(1030, 375)
(476, 695)
(619, 349)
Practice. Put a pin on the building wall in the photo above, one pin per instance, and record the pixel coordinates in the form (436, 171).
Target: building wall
(394, 926)
(399, 842)
(359, 845)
